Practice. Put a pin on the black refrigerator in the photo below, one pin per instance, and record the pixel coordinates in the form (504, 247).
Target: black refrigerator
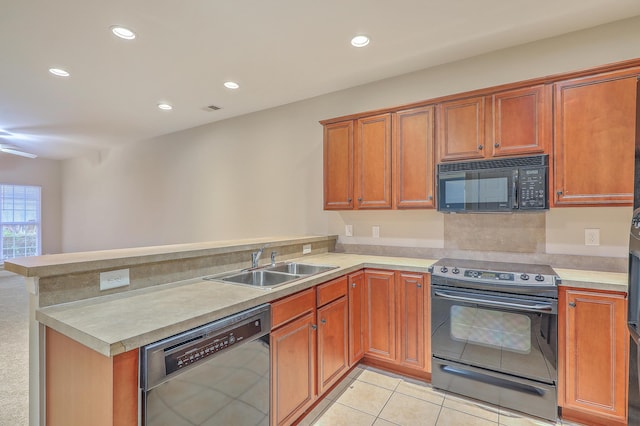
(633, 317)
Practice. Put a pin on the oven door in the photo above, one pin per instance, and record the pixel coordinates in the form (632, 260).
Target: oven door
(511, 334)
(478, 191)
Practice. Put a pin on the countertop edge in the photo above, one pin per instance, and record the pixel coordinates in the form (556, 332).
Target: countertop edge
(47, 316)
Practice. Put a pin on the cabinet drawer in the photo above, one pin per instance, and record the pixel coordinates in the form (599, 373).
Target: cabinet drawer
(284, 310)
(332, 290)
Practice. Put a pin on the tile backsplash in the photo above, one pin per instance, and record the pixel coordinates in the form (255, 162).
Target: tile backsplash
(502, 232)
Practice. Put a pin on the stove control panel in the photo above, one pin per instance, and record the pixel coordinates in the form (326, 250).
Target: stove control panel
(489, 275)
(494, 277)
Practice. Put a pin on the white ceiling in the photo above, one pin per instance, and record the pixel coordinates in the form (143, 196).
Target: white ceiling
(279, 51)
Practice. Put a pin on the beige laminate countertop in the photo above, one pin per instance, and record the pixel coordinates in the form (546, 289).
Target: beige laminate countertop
(115, 324)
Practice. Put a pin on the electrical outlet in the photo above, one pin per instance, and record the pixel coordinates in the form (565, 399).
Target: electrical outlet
(375, 231)
(592, 237)
(114, 279)
(306, 249)
(348, 230)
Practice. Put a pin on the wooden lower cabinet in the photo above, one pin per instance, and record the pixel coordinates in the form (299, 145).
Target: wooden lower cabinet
(414, 349)
(333, 336)
(397, 321)
(592, 355)
(84, 387)
(380, 308)
(293, 370)
(357, 317)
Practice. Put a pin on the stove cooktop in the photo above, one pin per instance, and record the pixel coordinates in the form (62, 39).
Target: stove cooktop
(495, 273)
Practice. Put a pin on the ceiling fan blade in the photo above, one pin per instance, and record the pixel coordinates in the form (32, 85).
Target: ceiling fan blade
(14, 151)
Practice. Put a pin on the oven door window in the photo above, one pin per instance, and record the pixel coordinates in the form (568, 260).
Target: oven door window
(504, 331)
(518, 342)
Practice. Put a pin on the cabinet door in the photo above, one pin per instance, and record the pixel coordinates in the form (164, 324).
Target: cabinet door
(596, 349)
(333, 342)
(461, 129)
(521, 121)
(293, 369)
(413, 147)
(594, 139)
(380, 329)
(373, 162)
(412, 306)
(338, 166)
(356, 317)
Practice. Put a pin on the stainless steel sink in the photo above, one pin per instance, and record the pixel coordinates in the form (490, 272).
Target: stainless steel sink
(300, 268)
(271, 276)
(260, 278)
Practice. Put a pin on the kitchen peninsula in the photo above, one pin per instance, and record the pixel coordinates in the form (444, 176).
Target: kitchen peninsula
(167, 295)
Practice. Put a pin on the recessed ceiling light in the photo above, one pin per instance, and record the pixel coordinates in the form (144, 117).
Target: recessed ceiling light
(59, 72)
(231, 85)
(165, 107)
(360, 41)
(123, 32)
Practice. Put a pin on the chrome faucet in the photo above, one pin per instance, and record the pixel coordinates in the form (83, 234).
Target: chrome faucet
(255, 256)
(273, 258)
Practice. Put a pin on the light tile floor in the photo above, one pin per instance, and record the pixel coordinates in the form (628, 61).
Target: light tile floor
(368, 396)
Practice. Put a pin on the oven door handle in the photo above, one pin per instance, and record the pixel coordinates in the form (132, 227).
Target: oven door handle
(546, 307)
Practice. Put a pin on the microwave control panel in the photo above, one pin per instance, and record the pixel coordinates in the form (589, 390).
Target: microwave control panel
(532, 188)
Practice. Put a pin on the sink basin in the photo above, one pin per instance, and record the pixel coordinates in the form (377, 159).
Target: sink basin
(260, 278)
(271, 276)
(300, 268)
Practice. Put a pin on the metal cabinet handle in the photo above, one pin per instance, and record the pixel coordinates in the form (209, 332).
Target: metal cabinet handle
(353, 285)
(572, 304)
(497, 144)
(314, 327)
(419, 285)
(430, 197)
(359, 199)
(559, 192)
(480, 147)
(324, 321)
(349, 199)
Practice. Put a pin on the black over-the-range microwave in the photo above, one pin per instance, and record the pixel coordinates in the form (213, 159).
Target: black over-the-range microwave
(514, 184)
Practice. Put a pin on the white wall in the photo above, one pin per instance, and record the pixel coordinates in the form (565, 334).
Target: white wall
(261, 174)
(46, 174)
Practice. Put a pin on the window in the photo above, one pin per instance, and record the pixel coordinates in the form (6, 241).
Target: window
(19, 221)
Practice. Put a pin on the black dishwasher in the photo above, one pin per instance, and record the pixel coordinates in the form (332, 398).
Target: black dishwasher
(216, 374)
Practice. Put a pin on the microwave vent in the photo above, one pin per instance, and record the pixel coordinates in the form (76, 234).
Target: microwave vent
(530, 161)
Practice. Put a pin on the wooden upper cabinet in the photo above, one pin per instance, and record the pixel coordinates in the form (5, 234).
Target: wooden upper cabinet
(338, 166)
(521, 121)
(512, 122)
(594, 339)
(594, 139)
(373, 162)
(413, 153)
(461, 126)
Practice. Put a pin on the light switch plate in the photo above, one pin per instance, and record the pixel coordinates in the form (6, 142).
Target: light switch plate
(306, 249)
(592, 237)
(375, 231)
(114, 279)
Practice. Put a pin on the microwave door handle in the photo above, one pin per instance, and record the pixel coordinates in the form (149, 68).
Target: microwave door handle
(537, 307)
(514, 187)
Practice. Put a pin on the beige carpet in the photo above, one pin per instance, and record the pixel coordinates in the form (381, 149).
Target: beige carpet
(14, 351)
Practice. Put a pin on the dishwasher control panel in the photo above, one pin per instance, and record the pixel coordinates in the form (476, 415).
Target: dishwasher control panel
(187, 353)
(169, 357)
